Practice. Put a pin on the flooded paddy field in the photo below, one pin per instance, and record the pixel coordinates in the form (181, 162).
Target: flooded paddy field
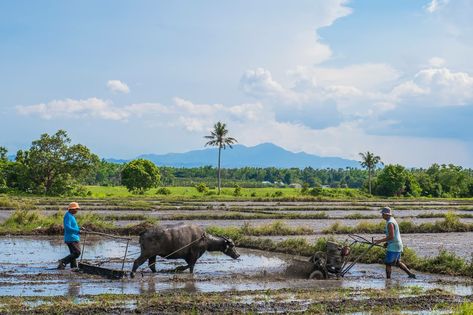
(258, 281)
(424, 244)
(25, 272)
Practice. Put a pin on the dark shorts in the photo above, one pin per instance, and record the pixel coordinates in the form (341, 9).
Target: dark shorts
(392, 258)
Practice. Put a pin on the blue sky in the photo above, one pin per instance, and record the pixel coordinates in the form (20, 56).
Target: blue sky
(332, 78)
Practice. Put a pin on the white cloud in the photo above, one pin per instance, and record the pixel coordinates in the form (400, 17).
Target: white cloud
(435, 5)
(260, 83)
(354, 90)
(118, 86)
(436, 87)
(192, 116)
(369, 76)
(92, 107)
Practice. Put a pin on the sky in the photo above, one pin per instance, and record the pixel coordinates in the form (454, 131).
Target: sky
(331, 78)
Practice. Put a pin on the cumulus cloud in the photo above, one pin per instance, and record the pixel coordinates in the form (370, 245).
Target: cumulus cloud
(118, 86)
(436, 87)
(193, 117)
(369, 76)
(260, 83)
(354, 90)
(435, 5)
(92, 107)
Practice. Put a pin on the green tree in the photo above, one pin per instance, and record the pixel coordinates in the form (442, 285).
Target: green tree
(369, 161)
(3, 164)
(3, 154)
(219, 138)
(395, 180)
(140, 175)
(53, 166)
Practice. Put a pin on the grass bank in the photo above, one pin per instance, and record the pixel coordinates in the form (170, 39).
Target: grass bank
(450, 223)
(272, 229)
(26, 222)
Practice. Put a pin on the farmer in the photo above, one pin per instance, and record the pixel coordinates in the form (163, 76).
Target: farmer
(71, 237)
(394, 244)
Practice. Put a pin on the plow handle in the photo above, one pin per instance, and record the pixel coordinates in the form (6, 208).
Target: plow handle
(107, 235)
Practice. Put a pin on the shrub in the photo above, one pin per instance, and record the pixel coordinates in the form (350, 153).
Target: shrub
(316, 191)
(202, 188)
(163, 191)
(278, 193)
(237, 191)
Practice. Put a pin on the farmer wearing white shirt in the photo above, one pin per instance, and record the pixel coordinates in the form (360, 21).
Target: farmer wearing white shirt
(394, 244)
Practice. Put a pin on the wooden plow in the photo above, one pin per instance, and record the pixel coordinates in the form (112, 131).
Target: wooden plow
(90, 268)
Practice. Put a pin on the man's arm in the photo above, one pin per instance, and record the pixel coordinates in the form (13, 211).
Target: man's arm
(68, 225)
(389, 237)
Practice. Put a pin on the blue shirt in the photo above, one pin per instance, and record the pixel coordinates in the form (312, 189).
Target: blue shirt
(71, 229)
(394, 245)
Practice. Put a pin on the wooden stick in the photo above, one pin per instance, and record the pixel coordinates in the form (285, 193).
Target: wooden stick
(107, 235)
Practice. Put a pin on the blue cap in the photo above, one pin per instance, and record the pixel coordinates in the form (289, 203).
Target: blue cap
(386, 210)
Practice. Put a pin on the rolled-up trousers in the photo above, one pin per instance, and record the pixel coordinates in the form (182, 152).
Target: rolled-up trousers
(74, 249)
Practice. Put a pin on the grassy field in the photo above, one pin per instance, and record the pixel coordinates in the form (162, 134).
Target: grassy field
(226, 193)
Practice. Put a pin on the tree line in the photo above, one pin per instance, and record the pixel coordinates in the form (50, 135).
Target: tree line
(54, 166)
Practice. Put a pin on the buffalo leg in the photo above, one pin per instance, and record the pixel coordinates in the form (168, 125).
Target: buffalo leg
(191, 263)
(138, 262)
(181, 268)
(152, 263)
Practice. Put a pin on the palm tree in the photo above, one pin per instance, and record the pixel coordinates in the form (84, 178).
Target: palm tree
(218, 138)
(369, 161)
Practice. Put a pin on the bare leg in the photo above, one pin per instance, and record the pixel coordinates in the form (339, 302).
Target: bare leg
(388, 271)
(138, 262)
(406, 269)
(152, 263)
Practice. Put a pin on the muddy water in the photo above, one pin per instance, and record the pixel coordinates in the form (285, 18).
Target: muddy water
(24, 263)
(424, 244)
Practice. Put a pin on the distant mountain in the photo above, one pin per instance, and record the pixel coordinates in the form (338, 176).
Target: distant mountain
(262, 155)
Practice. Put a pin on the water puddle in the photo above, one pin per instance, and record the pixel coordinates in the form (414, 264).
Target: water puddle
(24, 264)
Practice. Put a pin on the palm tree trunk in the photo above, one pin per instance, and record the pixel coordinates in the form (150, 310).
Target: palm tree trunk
(369, 179)
(218, 170)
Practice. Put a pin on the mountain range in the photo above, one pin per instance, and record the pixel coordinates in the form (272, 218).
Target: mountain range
(262, 155)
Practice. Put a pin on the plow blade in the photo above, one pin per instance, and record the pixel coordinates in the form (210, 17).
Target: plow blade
(105, 272)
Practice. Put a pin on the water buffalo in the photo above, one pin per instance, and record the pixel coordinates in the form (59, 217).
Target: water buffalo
(168, 241)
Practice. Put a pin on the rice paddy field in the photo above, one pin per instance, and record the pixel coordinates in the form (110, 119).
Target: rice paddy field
(274, 235)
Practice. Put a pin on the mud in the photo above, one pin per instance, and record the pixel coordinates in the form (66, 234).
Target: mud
(424, 244)
(24, 264)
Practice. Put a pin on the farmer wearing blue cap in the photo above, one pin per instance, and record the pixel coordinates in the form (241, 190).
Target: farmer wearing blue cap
(394, 244)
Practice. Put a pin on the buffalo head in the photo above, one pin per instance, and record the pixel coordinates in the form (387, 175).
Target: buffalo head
(230, 249)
